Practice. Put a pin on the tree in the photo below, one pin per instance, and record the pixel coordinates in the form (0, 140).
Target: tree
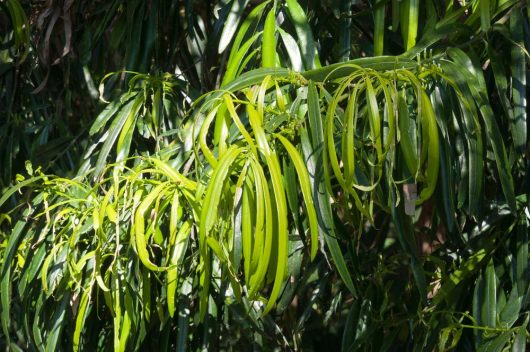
(260, 175)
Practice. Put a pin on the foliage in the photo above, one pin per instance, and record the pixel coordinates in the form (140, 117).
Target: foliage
(260, 176)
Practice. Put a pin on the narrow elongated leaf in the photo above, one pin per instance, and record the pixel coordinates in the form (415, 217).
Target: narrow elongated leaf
(174, 175)
(293, 51)
(510, 312)
(139, 227)
(12, 190)
(128, 112)
(379, 27)
(479, 92)
(261, 254)
(233, 61)
(222, 254)
(305, 186)
(234, 65)
(518, 68)
(105, 115)
(183, 324)
(430, 135)
(485, 15)
(374, 119)
(519, 344)
(268, 46)
(273, 165)
(56, 324)
(313, 153)
(304, 33)
(501, 83)
(126, 322)
(465, 114)
(409, 11)
(176, 259)
(231, 22)
(14, 240)
(403, 225)
(498, 343)
(468, 267)
(520, 265)
(81, 317)
(489, 304)
(407, 142)
(246, 228)
(345, 29)
(208, 217)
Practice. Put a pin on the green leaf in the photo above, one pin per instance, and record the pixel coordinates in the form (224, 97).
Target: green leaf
(292, 50)
(139, 227)
(12, 190)
(109, 111)
(5, 292)
(496, 344)
(464, 272)
(268, 46)
(222, 254)
(304, 33)
(81, 317)
(56, 324)
(520, 253)
(518, 68)
(479, 92)
(510, 312)
(379, 27)
(231, 22)
(261, 253)
(273, 165)
(465, 114)
(345, 29)
(431, 143)
(314, 155)
(485, 16)
(489, 304)
(127, 113)
(395, 14)
(305, 186)
(350, 327)
(208, 217)
(407, 142)
(501, 84)
(409, 11)
(175, 263)
(519, 344)
(234, 64)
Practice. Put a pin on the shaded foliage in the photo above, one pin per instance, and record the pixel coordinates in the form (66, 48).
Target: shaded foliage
(264, 175)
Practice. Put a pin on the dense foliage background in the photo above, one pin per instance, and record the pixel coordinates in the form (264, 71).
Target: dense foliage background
(264, 175)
